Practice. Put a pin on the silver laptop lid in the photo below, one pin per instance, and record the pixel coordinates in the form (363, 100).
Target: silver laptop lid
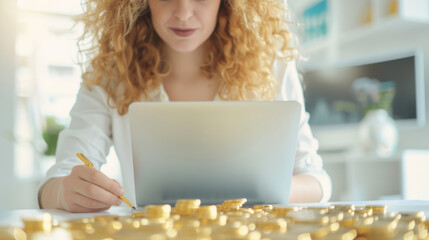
(213, 151)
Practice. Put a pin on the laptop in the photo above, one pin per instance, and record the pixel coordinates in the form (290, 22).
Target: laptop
(213, 151)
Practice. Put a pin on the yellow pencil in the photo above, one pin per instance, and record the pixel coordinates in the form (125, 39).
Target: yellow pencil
(88, 163)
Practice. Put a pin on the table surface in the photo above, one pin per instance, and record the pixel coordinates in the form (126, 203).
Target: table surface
(14, 217)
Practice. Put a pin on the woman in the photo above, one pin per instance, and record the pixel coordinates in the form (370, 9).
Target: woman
(173, 50)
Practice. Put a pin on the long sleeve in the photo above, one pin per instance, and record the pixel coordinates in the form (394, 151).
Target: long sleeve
(307, 160)
(89, 132)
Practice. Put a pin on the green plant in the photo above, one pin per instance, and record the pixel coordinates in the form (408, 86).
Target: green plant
(50, 134)
(373, 94)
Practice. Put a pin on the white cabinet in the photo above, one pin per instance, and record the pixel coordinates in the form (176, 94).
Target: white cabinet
(347, 26)
(360, 177)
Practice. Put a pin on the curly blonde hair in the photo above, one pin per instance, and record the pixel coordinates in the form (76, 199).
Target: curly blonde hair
(125, 50)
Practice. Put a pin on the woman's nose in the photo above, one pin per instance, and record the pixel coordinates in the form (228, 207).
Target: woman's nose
(184, 9)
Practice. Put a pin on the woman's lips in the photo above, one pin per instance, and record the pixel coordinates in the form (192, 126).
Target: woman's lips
(183, 32)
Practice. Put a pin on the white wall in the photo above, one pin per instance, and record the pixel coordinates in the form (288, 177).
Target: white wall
(7, 93)
(11, 189)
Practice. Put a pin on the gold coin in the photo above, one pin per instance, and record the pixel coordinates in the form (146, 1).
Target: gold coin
(268, 225)
(266, 208)
(105, 218)
(417, 216)
(286, 236)
(138, 215)
(240, 200)
(308, 216)
(208, 212)
(39, 223)
(12, 233)
(341, 234)
(219, 221)
(364, 211)
(377, 209)
(315, 230)
(282, 211)
(158, 211)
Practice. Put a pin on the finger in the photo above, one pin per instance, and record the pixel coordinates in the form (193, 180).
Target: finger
(75, 208)
(87, 202)
(96, 177)
(97, 193)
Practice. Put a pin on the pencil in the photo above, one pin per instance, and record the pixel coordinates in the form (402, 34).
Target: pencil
(88, 163)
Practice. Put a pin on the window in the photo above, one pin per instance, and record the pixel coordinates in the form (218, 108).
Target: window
(47, 78)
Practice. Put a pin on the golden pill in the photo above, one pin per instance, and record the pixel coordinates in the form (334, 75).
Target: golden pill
(12, 233)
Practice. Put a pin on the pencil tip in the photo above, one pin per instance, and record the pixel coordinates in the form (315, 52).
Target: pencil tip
(134, 208)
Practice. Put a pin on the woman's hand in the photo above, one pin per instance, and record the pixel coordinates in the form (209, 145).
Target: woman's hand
(84, 190)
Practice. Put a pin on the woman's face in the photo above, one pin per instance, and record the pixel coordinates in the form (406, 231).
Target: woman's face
(184, 25)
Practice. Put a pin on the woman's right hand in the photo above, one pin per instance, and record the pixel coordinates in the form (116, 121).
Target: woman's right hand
(84, 190)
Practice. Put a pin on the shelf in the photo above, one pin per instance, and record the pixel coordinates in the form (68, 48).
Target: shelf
(318, 45)
(375, 31)
(356, 157)
(348, 28)
(379, 30)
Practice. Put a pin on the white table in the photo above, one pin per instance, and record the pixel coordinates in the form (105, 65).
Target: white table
(13, 217)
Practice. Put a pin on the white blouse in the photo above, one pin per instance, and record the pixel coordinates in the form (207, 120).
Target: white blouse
(95, 127)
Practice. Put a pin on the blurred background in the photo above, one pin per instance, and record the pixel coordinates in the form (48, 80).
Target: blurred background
(365, 69)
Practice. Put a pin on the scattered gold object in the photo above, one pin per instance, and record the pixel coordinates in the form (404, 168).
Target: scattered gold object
(230, 220)
(12, 233)
(39, 223)
(186, 207)
(158, 211)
